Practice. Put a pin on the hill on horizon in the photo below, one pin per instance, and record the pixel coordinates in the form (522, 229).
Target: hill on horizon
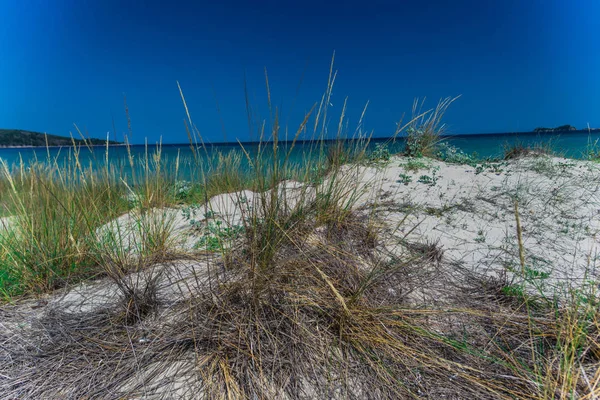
(19, 137)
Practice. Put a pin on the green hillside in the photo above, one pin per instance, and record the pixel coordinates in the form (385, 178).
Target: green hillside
(17, 137)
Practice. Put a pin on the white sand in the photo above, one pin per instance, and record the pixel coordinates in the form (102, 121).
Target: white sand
(471, 215)
(468, 213)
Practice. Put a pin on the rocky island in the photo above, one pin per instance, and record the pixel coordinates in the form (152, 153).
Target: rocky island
(564, 128)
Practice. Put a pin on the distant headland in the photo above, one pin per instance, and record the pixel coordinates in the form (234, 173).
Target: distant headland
(564, 128)
(22, 138)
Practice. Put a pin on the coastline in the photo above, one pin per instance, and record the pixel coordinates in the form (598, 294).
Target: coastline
(62, 146)
(563, 134)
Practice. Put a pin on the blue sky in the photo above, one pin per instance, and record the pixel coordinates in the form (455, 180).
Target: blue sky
(517, 64)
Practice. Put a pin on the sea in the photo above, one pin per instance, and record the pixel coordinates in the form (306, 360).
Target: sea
(479, 146)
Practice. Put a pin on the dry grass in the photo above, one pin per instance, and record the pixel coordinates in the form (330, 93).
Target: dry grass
(519, 149)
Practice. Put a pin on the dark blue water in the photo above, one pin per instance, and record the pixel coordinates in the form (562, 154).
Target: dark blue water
(573, 145)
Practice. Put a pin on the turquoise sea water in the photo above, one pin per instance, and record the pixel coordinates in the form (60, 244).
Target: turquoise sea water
(572, 145)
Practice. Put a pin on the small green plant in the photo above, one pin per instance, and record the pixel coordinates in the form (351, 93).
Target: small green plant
(496, 168)
(405, 179)
(189, 214)
(533, 274)
(429, 180)
(316, 174)
(380, 154)
(480, 238)
(414, 142)
(513, 291)
(437, 212)
(414, 165)
(209, 214)
(209, 243)
(217, 236)
(532, 277)
(544, 166)
(182, 190)
(426, 179)
(189, 211)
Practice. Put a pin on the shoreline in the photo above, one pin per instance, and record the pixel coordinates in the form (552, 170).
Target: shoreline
(543, 134)
(61, 146)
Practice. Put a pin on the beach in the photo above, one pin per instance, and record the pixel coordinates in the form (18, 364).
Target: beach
(444, 246)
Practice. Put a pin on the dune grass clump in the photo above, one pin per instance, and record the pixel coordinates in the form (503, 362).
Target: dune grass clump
(49, 240)
(592, 151)
(425, 129)
(519, 149)
(57, 209)
(221, 173)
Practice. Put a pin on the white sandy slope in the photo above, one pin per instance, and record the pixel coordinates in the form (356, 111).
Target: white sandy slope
(468, 212)
(470, 215)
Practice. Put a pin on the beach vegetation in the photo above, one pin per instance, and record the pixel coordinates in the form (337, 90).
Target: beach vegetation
(381, 153)
(297, 283)
(519, 149)
(426, 128)
(414, 164)
(592, 151)
(453, 155)
(480, 238)
(405, 179)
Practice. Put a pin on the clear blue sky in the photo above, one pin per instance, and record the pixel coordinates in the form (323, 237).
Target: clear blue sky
(518, 64)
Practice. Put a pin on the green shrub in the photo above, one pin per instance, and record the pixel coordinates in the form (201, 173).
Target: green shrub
(381, 153)
(453, 155)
